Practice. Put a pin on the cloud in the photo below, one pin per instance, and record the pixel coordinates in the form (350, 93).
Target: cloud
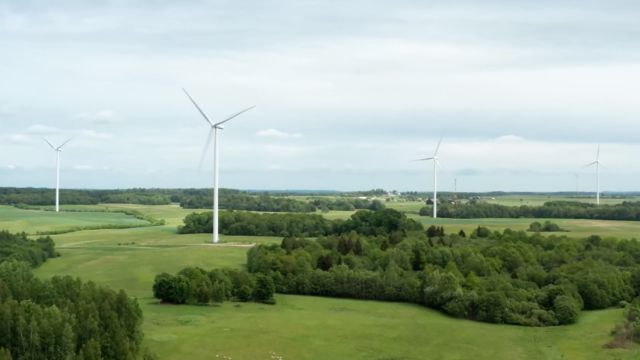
(92, 134)
(40, 129)
(99, 117)
(509, 138)
(277, 134)
(18, 139)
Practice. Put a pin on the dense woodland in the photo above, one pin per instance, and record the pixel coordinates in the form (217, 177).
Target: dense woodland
(40, 196)
(268, 203)
(65, 318)
(19, 247)
(628, 210)
(196, 286)
(62, 317)
(248, 202)
(509, 277)
(385, 221)
(187, 198)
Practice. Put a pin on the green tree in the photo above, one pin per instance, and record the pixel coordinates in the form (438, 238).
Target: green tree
(264, 289)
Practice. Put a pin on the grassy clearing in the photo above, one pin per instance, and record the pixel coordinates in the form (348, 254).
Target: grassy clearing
(33, 221)
(537, 200)
(577, 228)
(297, 327)
(301, 327)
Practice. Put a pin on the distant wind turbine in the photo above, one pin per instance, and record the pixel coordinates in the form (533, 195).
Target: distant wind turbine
(58, 150)
(213, 133)
(597, 164)
(436, 164)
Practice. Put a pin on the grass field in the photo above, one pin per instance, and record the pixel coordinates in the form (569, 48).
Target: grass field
(33, 221)
(577, 228)
(537, 200)
(297, 327)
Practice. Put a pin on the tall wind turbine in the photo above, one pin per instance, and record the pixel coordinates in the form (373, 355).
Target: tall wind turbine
(58, 150)
(213, 132)
(597, 164)
(436, 163)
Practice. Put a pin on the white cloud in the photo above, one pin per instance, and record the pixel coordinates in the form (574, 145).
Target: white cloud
(509, 138)
(18, 139)
(99, 117)
(40, 129)
(273, 133)
(92, 134)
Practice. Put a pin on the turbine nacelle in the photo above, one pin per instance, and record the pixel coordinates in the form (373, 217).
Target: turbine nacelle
(59, 148)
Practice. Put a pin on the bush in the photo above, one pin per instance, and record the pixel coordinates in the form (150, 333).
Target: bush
(264, 289)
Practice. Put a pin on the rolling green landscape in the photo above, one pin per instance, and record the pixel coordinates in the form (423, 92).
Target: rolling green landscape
(297, 327)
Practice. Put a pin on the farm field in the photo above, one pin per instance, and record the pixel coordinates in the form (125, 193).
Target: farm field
(33, 221)
(537, 200)
(298, 327)
(578, 228)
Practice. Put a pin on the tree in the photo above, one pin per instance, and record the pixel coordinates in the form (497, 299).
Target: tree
(535, 226)
(482, 232)
(5, 354)
(566, 309)
(264, 289)
(461, 233)
(432, 231)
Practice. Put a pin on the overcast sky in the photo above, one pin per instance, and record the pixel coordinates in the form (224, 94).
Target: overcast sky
(347, 93)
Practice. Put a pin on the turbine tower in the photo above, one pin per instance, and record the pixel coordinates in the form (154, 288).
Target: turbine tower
(58, 150)
(597, 164)
(213, 132)
(436, 164)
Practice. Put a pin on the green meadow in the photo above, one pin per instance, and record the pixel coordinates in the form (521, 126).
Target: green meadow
(297, 327)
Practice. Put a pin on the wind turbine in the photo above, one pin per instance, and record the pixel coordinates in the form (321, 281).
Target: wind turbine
(597, 164)
(436, 163)
(58, 150)
(213, 132)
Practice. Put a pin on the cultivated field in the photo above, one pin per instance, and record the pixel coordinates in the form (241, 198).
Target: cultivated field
(297, 327)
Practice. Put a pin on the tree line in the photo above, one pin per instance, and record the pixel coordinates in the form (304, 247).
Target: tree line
(268, 203)
(499, 277)
(248, 202)
(628, 330)
(65, 318)
(385, 221)
(193, 285)
(19, 247)
(187, 198)
(628, 210)
(41, 196)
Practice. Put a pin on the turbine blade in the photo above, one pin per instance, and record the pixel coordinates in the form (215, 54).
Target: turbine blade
(590, 164)
(429, 158)
(234, 115)
(197, 107)
(53, 147)
(437, 147)
(205, 148)
(598, 153)
(63, 144)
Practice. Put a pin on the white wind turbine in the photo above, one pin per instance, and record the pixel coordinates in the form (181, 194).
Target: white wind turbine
(436, 164)
(213, 132)
(597, 164)
(58, 150)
